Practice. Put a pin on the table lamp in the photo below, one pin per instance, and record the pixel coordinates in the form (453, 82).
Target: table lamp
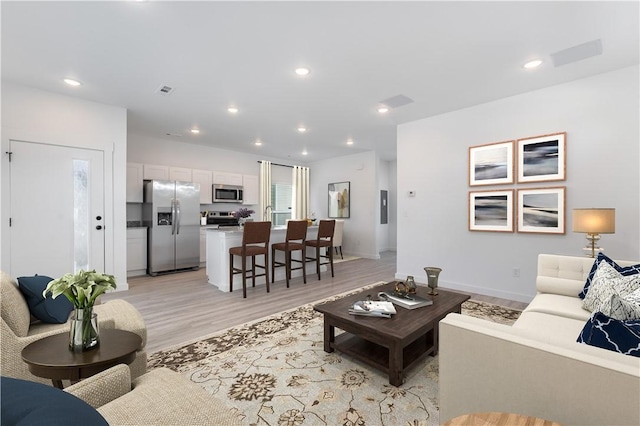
(594, 222)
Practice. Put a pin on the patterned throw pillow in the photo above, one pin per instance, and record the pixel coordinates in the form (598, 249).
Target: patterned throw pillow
(612, 334)
(607, 282)
(626, 271)
(621, 308)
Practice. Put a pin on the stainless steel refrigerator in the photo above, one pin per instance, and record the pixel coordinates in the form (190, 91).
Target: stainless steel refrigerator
(171, 210)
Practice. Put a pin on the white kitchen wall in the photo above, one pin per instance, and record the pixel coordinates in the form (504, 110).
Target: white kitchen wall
(34, 115)
(601, 117)
(393, 205)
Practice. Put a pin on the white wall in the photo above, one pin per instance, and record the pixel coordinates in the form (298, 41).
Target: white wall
(600, 115)
(36, 116)
(393, 205)
(382, 230)
(360, 229)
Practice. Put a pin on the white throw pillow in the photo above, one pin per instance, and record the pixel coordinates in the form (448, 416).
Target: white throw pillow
(620, 308)
(607, 282)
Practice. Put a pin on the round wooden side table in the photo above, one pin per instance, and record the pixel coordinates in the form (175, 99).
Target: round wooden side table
(51, 358)
(498, 419)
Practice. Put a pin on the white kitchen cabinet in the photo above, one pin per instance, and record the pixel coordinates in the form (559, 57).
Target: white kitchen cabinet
(155, 172)
(226, 178)
(136, 251)
(181, 174)
(203, 246)
(134, 182)
(205, 179)
(251, 189)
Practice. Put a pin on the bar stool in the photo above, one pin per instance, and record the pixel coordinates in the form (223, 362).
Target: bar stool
(255, 242)
(324, 239)
(294, 241)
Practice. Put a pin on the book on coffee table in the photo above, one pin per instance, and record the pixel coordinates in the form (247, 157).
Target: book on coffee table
(370, 308)
(408, 302)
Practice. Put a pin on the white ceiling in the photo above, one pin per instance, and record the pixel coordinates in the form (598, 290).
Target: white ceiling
(443, 55)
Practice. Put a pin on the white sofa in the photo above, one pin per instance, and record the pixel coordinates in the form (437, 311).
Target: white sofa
(536, 367)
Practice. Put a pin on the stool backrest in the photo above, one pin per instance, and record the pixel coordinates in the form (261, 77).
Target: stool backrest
(326, 229)
(297, 230)
(256, 233)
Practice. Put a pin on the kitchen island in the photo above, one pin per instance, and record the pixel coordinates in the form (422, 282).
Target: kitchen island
(220, 240)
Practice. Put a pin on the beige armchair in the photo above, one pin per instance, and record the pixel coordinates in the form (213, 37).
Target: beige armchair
(18, 331)
(159, 397)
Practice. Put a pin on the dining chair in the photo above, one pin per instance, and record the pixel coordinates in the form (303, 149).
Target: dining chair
(255, 242)
(294, 241)
(324, 240)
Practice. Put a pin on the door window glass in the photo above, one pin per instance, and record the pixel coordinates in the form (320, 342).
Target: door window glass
(281, 203)
(81, 214)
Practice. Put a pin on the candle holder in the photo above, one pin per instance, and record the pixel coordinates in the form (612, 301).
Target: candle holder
(432, 277)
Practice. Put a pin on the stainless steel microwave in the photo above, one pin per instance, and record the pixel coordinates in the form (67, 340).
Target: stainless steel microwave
(227, 194)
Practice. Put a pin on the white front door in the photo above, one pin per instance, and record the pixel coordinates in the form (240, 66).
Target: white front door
(57, 209)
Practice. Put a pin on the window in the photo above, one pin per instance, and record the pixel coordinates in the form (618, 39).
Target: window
(281, 203)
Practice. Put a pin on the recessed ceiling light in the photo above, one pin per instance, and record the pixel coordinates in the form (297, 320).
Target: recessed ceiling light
(532, 64)
(302, 71)
(195, 131)
(72, 82)
(349, 142)
(302, 129)
(232, 110)
(304, 152)
(258, 142)
(383, 109)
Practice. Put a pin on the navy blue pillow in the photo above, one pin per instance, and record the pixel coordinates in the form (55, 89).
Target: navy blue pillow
(29, 403)
(612, 334)
(625, 271)
(49, 310)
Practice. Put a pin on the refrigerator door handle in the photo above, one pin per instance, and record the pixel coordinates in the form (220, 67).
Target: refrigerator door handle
(173, 217)
(178, 217)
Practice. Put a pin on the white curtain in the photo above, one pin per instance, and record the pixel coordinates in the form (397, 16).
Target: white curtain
(265, 190)
(300, 201)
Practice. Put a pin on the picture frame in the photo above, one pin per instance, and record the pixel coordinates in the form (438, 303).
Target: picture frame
(339, 200)
(491, 210)
(542, 158)
(491, 164)
(542, 210)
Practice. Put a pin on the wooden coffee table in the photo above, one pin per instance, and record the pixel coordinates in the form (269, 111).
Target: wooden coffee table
(390, 344)
(51, 358)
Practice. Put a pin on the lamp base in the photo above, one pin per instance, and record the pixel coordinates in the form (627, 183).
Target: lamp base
(591, 249)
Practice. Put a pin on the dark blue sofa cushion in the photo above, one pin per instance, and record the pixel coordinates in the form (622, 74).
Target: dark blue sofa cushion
(28, 403)
(612, 334)
(626, 271)
(49, 310)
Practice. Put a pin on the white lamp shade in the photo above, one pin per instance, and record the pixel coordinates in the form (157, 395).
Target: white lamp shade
(594, 221)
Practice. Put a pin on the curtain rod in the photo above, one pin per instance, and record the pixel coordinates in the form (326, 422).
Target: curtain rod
(276, 164)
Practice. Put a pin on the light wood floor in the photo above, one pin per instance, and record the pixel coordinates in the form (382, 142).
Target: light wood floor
(183, 307)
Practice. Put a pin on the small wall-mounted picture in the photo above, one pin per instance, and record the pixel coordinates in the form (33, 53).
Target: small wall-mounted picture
(339, 204)
(491, 211)
(541, 210)
(542, 158)
(491, 164)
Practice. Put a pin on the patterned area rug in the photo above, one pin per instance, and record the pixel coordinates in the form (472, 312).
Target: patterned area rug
(274, 371)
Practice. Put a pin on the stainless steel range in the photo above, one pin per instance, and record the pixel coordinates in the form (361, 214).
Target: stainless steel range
(221, 219)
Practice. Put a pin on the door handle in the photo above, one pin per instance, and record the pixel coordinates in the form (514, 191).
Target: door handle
(99, 227)
(178, 217)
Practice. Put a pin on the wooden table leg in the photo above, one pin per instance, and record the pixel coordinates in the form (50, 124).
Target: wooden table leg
(329, 336)
(395, 364)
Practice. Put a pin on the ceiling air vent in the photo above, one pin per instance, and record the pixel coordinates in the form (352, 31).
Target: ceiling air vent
(165, 90)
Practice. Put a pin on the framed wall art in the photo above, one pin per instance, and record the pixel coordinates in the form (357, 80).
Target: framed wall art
(491, 164)
(542, 158)
(339, 200)
(491, 210)
(541, 210)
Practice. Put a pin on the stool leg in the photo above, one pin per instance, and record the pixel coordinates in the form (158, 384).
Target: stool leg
(230, 273)
(244, 276)
(287, 266)
(273, 264)
(318, 261)
(304, 264)
(253, 271)
(266, 269)
(330, 259)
